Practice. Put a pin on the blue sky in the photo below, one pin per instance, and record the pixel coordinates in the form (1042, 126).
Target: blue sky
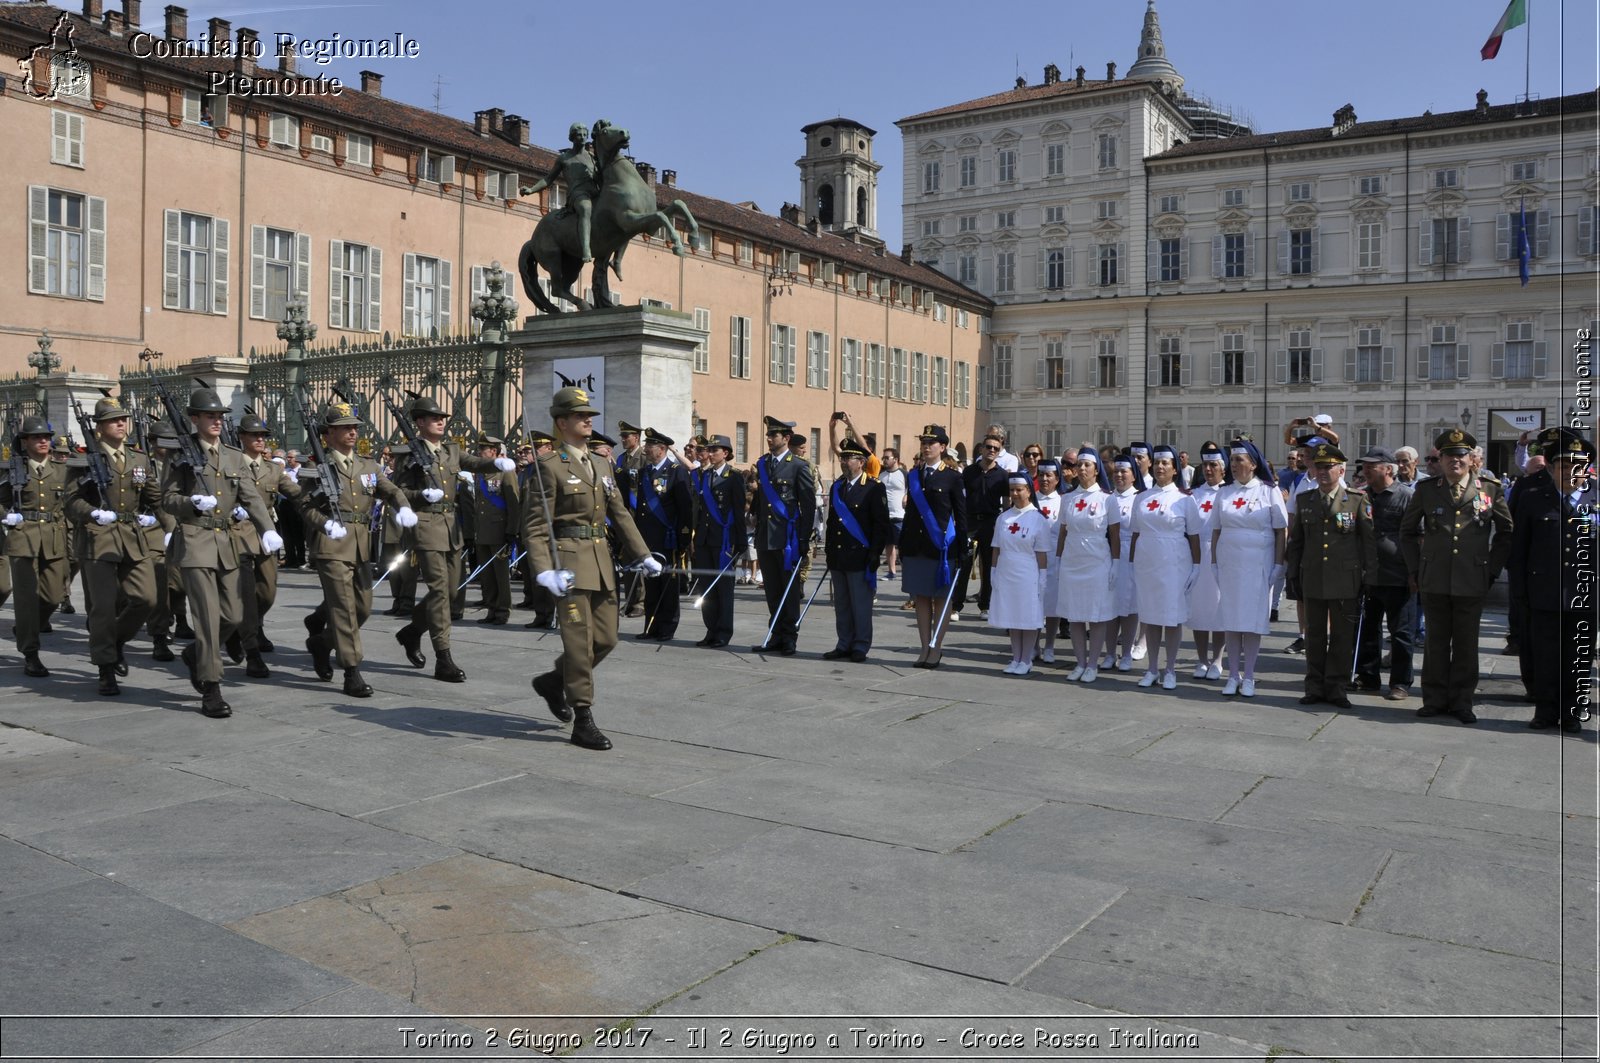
(718, 90)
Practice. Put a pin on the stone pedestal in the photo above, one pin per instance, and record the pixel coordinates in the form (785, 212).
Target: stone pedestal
(62, 388)
(636, 362)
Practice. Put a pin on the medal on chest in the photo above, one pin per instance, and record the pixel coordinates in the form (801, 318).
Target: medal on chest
(139, 475)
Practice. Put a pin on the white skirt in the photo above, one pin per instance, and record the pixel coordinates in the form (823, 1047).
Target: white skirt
(1014, 600)
(1244, 570)
(1161, 568)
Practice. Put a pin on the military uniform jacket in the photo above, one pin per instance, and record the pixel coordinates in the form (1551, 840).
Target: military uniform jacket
(581, 499)
(436, 521)
(270, 481)
(42, 501)
(134, 490)
(155, 539)
(668, 487)
(727, 490)
(868, 503)
(1553, 546)
(206, 540)
(361, 484)
(497, 508)
(947, 498)
(792, 479)
(1333, 544)
(1451, 547)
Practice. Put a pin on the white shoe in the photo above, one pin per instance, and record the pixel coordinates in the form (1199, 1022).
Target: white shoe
(1090, 675)
(1169, 681)
(1024, 667)
(1215, 671)
(1247, 688)
(760, 580)
(1230, 687)
(1200, 670)
(1125, 664)
(1138, 650)
(1148, 679)
(1047, 656)
(1076, 674)
(1109, 661)
(955, 618)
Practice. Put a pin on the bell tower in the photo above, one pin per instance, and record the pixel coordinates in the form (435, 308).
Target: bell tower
(838, 179)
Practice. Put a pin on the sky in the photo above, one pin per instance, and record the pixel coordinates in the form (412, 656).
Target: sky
(719, 90)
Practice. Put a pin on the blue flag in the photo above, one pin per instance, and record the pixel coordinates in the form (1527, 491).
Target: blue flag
(1524, 251)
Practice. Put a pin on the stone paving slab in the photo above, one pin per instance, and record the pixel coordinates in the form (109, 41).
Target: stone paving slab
(28, 755)
(1560, 779)
(171, 734)
(25, 871)
(848, 743)
(82, 799)
(950, 912)
(646, 767)
(1370, 767)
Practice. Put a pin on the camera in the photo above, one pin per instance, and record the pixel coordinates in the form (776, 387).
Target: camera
(838, 415)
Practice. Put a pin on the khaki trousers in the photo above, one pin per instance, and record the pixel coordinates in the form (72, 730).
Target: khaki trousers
(588, 634)
(347, 602)
(40, 583)
(441, 571)
(258, 590)
(215, 613)
(121, 596)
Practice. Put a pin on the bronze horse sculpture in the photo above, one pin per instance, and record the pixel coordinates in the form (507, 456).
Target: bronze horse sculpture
(625, 208)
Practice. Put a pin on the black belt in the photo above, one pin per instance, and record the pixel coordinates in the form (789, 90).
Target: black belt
(212, 523)
(581, 531)
(436, 507)
(41, 516)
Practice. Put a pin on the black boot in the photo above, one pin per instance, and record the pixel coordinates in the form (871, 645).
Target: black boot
(122, 664)
(108, 681)
(182, 631)
(264, 644)
(585, 733)
(256, 668)
(211, 703)
(66, 608)
(410, 639)
(163, 649)
(315, 621)
(317, 646)
(31, 665)
(189, 663)
(549, 687)
(445, 668)
(235, 648)
(354, 685)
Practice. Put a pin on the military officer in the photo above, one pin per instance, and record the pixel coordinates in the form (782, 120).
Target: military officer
(1456, 537)
(572, 498)
(496, 510)
(1551, 568)
(36, 542)
(203, 547)
(858, 530)
(630, 462)
(118, 566)
(258, 568)
(719, 537)
(785, 514)
(436, 540)
(1332, 549)
(664, 515)
(341, 549)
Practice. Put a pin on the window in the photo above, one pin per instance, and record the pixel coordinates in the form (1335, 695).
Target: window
(930, 227)
(283, 130)
(280, 271)
(1055, 160)
(1234, 255)
(899, 387)
(1005, 219)
(985, 387)
(739, 347)
(1005, 271)
(195, 263)
(1005, 166)
(817, 358)
(66, 244)
(963, 385)
(1054, 366)
(355, 287)
(1168, 370)
(875, 369)
(741, 441)
(1106, 368)
(66, 138)
(1439, 359)
(1302, 252)
(967, 223)
(961, 319)
(1108, 151)
(1370, 185)
(1055, 215)
(930, 177)
(967, 269)
(1237, 369)
(1508, 231)
(1171, 204)
(1443, 241)
(1002, 367)
(969, 171)
(1233, 197)
(850, 366)
(1106, 208)
(1299, 365)
(940, 384)
(1526, 170)
(1297, 192)
(780, 362)
(437, 169)
(747, 252)
(1519, 358)
(1055, 268)
(1170, 259)
(1369, 245)
(919, 377)
(358, 149)
(425, 296)
(702, 350)
(192, 107)
(1446, 178)
(1369, 361)
(1107, 255)
(1055, 441)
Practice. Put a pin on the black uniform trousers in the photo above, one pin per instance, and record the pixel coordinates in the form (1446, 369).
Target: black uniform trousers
(852, 611)
(785, 609)
(1563, 660)
(661, 606)
(717, 609)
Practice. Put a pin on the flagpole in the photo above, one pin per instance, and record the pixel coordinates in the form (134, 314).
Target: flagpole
(1527, 57)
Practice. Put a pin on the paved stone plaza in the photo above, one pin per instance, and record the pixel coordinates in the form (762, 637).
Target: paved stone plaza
(918, 855)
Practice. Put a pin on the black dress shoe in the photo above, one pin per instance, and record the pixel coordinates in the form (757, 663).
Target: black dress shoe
(1467, 716)
(410, 640)
(645, 636)
(121, 667)
(264, 644)
(1542, 725)
(456, 618)
(537, 624)
(1311, 699)
(542, 620)
(66, 608)
(211, 703)
(1297, 646)
(1427, 711)
(163, 650)
(586, 734)
(445, 669)
(1571, 726)
(835, 655)
(705, 641)
(354, 685)
(31, 665)
(1340, 702)
(761, 649)
(549, 687)
(716, 644)
(858, 656)
(108, 681)
(317, 646)
(314, 621)
(256, 668)
(786, 650)
(182, 631)
(189, 663)
(235, 647)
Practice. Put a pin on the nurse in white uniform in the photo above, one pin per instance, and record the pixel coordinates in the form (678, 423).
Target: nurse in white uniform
(1048, 501)
(1089, 545)
(1016, 572)
(1203, 596)
(1165, 552)
(1248, 540)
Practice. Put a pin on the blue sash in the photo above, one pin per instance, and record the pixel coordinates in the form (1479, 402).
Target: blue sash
(625, 477)
(848, 520)
(723, 522)
(791, 543)
(920, 500)
(652, 502)
(495, 497)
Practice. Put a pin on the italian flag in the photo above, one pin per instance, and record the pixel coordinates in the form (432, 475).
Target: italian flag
(1516, 14)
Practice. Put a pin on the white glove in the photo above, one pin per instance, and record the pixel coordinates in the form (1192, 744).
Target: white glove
(240, 513)
(651, 566)
(280, 463)
(271, 541)
(557, 581)
(333, 529)
(146, 521)
(1194, 574)
(433, 494)
(464, 476)
(406, 517)
(13, 519)
(166, 540)
(204, 503)
(504, 464)
(1111, 580)
(103, 517)
(1278, 572)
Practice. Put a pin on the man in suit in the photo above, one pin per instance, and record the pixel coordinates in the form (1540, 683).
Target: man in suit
(858, 531)
(664, 514)
(571, 498)
(785, 514)
(36, 542)
(719, 538)
(258, 568)
(1331, 550)
(1456, 537)
(495, 515)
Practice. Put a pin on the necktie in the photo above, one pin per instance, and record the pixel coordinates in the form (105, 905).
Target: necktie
(118, 456)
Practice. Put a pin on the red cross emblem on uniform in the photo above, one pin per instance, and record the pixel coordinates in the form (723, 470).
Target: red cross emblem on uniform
(1239, 503)
(1205, 507)
(1045, 510)
(1013, 527)
(1153, 505)
(1080, 505)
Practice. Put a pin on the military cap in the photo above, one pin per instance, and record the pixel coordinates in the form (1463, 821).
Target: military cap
(774, 426)
(851, 448)
(34, 425)
(538, 438)
(206, 400)
(108, 409)
(1560, 442)
(252, 422)
(1379, 456)
(1327, 454)
(652, 436)
(722, 442)
(626, 427)
(599, 439)
(1455, 440)
(339, 414)
(487, 440)
(424, 405)
(61, 445)
(162, 435)
(934, 433)
(569, 401)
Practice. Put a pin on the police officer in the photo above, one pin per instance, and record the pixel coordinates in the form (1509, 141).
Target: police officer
(118, 566)
(496, 510)
(1552, 571)
(202, 501)
(785, 514)
(664, 515)
(570, 500)
(436, 540)
(258, 568)
(36, 543)
(1332, 548)
(858, 530)
(341, 549)
(719, 537)
(1456, 537)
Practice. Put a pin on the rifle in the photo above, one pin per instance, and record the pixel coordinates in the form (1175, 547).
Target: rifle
(18, 473)
(421, 456)
(188, 454)
(99, 470)
(141, 427)
(327, 472)
(230, 428)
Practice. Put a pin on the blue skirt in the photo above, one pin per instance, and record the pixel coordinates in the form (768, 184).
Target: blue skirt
(919, 577)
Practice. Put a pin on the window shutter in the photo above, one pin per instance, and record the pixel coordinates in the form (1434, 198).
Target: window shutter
(374, 289)
(445, 278)
(221, 244)
(1316, 249)
(1122, 373)
(408, 295)
(1283, 251)
(1541, 231)
(1349, 365)
(1422, 362)
(1183, 259)
(1039, 260)
(1185, 370)
(1585, 230)
(1066, 370)
(1504, 245)
(258, 271)
(1463, 361)
(1463, 240)
(788, 356)
(1122, 262)
(1316, 365)
(1281, 365)
(1388, 364)
(1249, 254)
(733, 346)
(335, 265)
(38, 238)
(1497, 361)
(95, 285)
(302, 268)
(1152, 262)
(1216, 255)
(1425, 243)
(1039, 379)
(169, 260)
(447, 170)
(1539, 360)
(1249, 368)
(58, 136)
(1216, 369)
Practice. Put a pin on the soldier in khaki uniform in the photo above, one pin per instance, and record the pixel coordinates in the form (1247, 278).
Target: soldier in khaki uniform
(258, 568)
(495, 512)
(203, 546)
(1332, 549)
(162, 442)
(436, 540)
(1456, 537)
(570, 497)
(36, 543)
(341, 549)
(119, 570)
